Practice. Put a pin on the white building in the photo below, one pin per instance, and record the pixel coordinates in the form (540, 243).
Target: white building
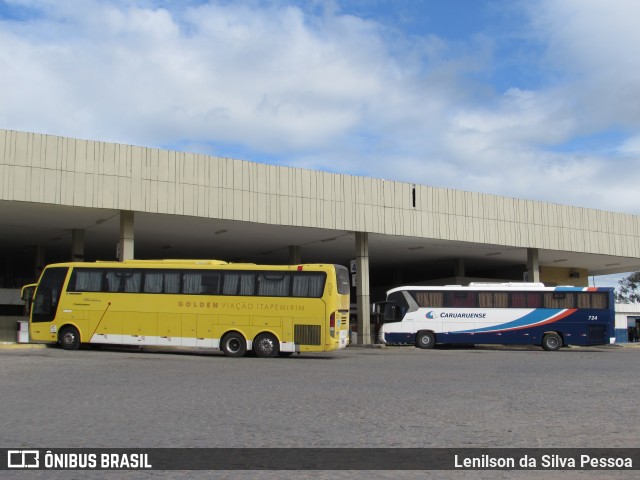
(627, 317)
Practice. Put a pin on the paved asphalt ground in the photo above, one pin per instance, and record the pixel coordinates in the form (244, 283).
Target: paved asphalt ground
(360, 397)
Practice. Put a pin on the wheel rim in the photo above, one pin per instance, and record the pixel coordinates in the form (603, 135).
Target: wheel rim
(233, 345)
(425, 340)
(552, 342)
(68, 338)
(266, 345)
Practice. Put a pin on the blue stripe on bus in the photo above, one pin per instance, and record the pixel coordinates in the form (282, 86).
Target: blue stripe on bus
(529, 320)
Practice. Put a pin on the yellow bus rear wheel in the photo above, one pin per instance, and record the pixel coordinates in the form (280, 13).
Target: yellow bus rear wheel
(266, 345)
(233, 344)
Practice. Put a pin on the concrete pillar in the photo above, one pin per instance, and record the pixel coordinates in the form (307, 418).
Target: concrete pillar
(533, 265)
(362, 288)
(458, 268)
(125, 243)
(398, 277)
(295, 258)
(77, 245)
(39, 261)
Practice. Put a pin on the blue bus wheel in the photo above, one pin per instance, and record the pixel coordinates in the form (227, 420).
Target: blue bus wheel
(425, 340)
(551, 342)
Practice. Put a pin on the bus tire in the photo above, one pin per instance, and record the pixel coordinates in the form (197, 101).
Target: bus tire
(266, 345)
(233, 345)
(69, 338)
(425, 340)
(551, 342)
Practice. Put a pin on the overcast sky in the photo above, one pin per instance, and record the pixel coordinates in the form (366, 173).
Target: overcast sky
(532, 99)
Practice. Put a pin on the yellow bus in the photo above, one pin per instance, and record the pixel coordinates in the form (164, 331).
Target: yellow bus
(206, 304)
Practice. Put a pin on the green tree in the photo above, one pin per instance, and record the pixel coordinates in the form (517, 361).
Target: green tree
(629, 289)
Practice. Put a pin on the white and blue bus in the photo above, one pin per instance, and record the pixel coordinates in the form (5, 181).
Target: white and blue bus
(498, 313)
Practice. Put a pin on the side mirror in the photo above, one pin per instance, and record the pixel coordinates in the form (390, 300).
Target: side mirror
(27, 292)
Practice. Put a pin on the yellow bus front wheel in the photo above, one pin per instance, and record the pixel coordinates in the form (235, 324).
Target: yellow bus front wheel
(69, 338)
